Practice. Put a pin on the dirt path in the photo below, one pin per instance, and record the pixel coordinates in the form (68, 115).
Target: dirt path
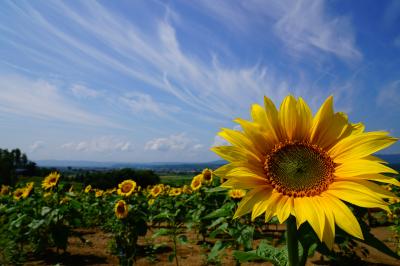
(96, 252)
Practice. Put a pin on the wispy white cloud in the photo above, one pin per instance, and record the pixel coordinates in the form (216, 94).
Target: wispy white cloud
(389, 96)
(99, 145)
(44, 100)
(178, 142)
(81, 91)
(303, 25)
(144, 103)
(37, 145)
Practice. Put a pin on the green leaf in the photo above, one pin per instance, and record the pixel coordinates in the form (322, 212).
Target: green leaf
(171, 257)
(161, 232)
(216, 189)
(243, 256)
(183, 239)
(224, 211)
(45, 210)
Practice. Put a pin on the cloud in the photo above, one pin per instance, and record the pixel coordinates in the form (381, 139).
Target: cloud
(144, 103)
(303, 26)
(41, 99)
(37, 145)
(178, 142)
(389, 96)
(99, 145)
(82, 92)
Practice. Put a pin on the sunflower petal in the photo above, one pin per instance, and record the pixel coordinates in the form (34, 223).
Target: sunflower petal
(361, 167)
(238, 139)
(304, 118)
(255, 133)
(244, 183)
(234, 154)
(322, 118)
(357, 196)
(261, 207)
(252, 197)
(288, 116)
(283, 208)
(344, 218)
(272, 116)
(373, 177)
(359, 146)
(329, 229)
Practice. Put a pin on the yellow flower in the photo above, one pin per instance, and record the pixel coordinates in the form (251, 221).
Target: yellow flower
(121, 209)
(207, 176)
(126, 188)
(294, 163)
(196, 182)
(99, 193)
(50, 180)
(27, 190)
(19, 193)
(151, 202)
(4, 190)
(88, 188)
(186, 189)
(236, 193)
(110, 191)
(156, 190)
(176, 191)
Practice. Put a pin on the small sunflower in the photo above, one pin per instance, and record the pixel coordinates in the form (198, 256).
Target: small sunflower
(186, 189)
(151, 202)
(196, 182)
(51, 180)
(88, 188)
(294, 163)
(156, 190)
(5, 190)
(121, 209)
(207, 176)
(99, 193)
(236, 193)
(126, 188)
(28, 189)
(176, 191)
(19, 193)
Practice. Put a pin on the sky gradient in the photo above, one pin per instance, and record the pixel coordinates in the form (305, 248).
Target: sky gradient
(146, 81)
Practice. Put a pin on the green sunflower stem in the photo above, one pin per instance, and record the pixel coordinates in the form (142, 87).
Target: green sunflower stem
(292, 243)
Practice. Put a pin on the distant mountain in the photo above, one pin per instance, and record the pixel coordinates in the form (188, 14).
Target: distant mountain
(152, 165)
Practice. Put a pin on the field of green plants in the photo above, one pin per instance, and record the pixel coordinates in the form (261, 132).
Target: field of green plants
(36, 217)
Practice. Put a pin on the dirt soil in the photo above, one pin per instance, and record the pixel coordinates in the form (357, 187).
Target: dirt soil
(96, 252)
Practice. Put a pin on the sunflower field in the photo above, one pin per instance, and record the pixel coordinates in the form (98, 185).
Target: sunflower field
(296, 188)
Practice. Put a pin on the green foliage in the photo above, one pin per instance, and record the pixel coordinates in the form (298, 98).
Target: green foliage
(13, 163)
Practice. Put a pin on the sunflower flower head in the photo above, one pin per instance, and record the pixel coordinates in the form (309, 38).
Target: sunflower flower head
(207, 176)
(121, 209)
(99, 193)
(19, 193)
(5, 190)
(28, 189)
(51, 180)
(88, 188)
(236, 193)
(196, 182)
(176, 191)
(186, 189)
(151, 202)
(156, 190)
(126, 187)
(295, 163)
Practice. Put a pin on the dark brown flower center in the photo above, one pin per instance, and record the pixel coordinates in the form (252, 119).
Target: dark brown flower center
(126, 187)
(299, 169)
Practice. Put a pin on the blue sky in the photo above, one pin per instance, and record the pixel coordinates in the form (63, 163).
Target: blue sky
(146, 81)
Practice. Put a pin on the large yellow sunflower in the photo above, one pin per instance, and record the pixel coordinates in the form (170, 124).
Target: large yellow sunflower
(121, 209)
(207, 176)
(50, 180)
(126, 188)
(294, 163)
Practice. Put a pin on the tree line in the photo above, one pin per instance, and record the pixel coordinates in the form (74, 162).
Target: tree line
(14, 163)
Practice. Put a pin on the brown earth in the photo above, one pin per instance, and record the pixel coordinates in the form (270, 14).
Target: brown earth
(95, 251)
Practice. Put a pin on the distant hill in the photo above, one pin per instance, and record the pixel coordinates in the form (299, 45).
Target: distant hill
(179, 166)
